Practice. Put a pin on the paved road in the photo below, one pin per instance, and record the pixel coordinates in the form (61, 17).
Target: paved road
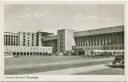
(72, 71)
(104, 71)
(56, 63)
(61, 66)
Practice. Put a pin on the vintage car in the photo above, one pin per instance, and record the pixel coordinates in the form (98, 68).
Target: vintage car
(119, 60)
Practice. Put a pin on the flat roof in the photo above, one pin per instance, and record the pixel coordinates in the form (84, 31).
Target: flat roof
(99, 31)
(10, 33)
(28, 32)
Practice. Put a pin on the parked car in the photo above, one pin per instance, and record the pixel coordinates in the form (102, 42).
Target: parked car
(119, 60)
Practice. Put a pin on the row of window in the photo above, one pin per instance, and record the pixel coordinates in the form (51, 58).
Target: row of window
(28, 44)
(10, 36)
(28, 34)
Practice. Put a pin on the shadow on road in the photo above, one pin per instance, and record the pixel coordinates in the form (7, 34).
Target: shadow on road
(115, 66)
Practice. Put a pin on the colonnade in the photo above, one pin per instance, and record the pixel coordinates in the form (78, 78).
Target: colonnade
(100, 39)
(11, 40)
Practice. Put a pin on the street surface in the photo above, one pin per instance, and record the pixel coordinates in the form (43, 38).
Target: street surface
(60, 65)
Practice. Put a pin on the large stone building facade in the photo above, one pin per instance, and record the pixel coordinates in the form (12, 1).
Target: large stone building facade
(97, 41)
(100, 41)
(24, 43)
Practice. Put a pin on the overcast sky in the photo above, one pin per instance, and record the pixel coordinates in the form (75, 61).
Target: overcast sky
(33, 18)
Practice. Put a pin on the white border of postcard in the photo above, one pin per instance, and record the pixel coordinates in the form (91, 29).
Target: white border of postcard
(61, 77)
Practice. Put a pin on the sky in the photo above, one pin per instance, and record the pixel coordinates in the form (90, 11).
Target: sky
(50, 18)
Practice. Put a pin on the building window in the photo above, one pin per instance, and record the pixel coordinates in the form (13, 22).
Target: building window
(32, 35)
(61, 47)
(61, 43)
(23, 41)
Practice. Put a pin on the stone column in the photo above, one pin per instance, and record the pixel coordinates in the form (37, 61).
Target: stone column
(102, 39)
(78, 40)
(113, 39)
(115, 35)
(7, 40)
(107, 39)
(4, 39)
(84, 41)
(91, 40)
(81, 41)
(99, 39)
(94, 40)
(123, 38)
(75, 41)
(110, 38)
(13, 40)
(117, 38)
(87, 41)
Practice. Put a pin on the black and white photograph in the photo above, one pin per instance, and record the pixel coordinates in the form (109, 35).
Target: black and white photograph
(64, 39)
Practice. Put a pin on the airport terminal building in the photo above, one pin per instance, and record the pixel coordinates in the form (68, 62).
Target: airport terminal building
(97, 41)
(100, 41)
